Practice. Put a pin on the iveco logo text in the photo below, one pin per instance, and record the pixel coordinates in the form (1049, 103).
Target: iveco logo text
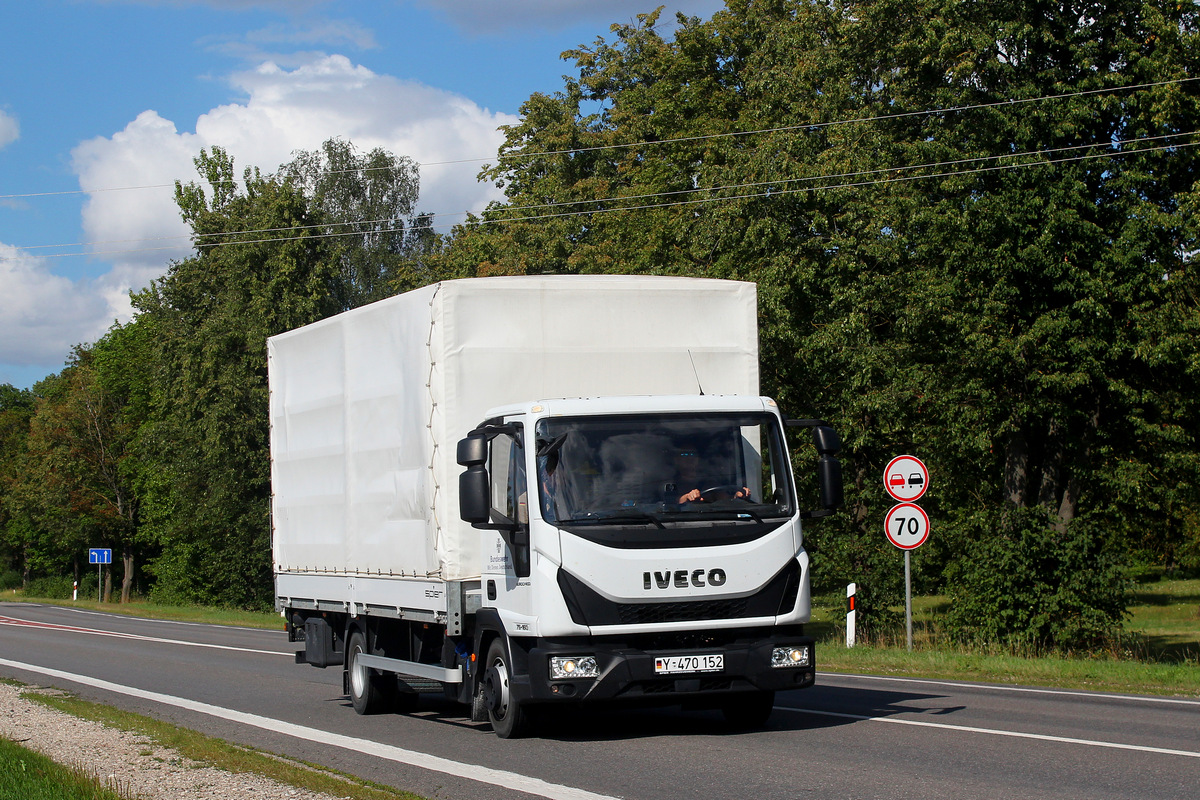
(682, 579)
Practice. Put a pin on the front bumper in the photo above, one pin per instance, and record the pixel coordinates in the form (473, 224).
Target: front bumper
(627, 670)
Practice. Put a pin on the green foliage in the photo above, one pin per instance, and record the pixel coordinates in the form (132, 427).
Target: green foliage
(1022, 583)
(204, 474)
(53, 588)
(206, 506)
(973, 228)
(950, 261)
(10, 579)
(29, 775)
(364, 200)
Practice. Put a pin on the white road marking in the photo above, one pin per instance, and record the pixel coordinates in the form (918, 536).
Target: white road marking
(1024, 689)
(996, 732)
(162, 621)
(24, 623)
(494, 777)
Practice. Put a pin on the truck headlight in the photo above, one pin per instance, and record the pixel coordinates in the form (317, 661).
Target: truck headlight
(790, 656)
(573, 667)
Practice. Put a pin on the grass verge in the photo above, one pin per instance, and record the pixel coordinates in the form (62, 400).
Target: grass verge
(1159, 655)
(27, 775)
(1100, 674)
(220, 753)
(267, 620)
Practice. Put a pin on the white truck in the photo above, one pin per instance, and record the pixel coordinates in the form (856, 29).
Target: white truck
(526, 491)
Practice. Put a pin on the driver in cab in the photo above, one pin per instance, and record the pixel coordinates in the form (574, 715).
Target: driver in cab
(691, 486)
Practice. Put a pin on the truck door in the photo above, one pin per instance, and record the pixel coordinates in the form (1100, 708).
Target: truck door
(507, 564)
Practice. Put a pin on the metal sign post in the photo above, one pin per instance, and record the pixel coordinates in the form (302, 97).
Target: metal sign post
(100, 556)
(908, 596)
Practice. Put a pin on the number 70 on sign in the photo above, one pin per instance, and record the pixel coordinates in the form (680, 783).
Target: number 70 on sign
(906, 526)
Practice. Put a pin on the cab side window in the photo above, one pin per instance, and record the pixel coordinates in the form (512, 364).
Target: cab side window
(510, 491)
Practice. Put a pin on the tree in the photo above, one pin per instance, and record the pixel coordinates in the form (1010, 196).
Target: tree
(209, 317)
(16, 409)
(969, 226)
(274, 252)
(364, 200)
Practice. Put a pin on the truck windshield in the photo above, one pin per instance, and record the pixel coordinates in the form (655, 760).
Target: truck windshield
(651, 469)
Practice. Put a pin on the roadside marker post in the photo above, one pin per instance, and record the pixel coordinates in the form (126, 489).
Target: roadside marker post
(851, 613)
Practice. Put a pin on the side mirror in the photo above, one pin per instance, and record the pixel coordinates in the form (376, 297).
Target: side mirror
(826, 440)
(829, 469)
(472, 451)
(474, 491)
(829, 475)
(474, 495)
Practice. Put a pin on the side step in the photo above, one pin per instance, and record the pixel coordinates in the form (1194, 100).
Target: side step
(405, 668)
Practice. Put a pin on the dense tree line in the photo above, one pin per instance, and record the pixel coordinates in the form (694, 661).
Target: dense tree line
(974, 232)
(153, 441)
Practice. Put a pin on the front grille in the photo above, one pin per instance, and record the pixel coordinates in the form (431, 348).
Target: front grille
(647, 613)
(588, 607)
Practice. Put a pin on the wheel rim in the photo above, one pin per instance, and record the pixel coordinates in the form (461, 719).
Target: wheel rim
(358, 675)
(497, 683)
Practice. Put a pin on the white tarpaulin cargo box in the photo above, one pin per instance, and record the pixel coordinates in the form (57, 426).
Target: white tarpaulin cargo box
(367, 407)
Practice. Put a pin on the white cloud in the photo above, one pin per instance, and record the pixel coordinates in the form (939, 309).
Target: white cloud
(130, 216)
(327, 32)
(299, 109)
(287, 110)
(42, 315)
(487, 16)
(10, 130)
(130, 213)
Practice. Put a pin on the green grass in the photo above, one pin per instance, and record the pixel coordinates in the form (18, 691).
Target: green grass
(1160, 653)
(219, 753)
(26, 775)
(268, 620)
(1167, 615)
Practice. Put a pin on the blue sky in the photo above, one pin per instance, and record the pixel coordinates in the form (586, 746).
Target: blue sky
(103, 104)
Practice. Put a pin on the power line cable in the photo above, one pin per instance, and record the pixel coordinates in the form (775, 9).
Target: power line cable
(198, 238)
(1012, 102)
(766, 193)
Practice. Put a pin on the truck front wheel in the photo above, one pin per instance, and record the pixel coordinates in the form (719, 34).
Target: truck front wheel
(509, 718)
(371, 691)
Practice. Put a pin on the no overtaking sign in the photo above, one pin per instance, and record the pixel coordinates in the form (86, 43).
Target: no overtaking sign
(906, 478)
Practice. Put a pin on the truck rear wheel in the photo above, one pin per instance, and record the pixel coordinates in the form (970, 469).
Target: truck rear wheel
(509, 718)
(371, 691)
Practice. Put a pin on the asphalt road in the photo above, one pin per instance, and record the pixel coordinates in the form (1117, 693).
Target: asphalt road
(848, 737)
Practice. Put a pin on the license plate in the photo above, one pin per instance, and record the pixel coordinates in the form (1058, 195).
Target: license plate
(675, 665)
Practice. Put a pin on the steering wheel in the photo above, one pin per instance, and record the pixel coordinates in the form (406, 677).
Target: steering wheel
(730, 489)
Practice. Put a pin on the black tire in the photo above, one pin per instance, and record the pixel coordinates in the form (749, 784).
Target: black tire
(748, 711)
(509, 717)
(371, 691)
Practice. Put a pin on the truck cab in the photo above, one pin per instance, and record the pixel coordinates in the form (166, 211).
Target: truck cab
(641, 549)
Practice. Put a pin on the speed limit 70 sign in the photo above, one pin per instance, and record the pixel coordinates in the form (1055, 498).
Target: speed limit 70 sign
(907, 526)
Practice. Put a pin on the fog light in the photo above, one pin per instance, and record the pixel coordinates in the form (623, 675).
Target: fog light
(573, 667)
(790, 656)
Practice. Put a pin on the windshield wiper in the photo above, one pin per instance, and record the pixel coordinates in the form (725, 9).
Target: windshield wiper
(721, 514)
(623, 517)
